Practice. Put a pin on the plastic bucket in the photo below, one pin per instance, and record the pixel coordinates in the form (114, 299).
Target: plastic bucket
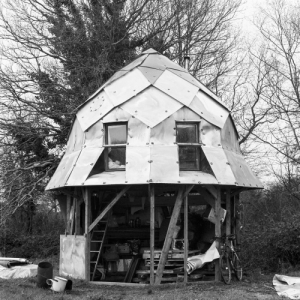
(44, 272)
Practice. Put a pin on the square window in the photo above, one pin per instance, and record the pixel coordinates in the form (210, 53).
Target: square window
(187, 133)
(115, 144)
(189, 158)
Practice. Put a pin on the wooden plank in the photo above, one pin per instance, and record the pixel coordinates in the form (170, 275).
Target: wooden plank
(108, 207)
(152, 231)
(71, 221)
(126, 284)
(228, 212)
(218, 233)
(213, 190)
(186, 240)
(77, 217)
(170, 232)
(87, 220)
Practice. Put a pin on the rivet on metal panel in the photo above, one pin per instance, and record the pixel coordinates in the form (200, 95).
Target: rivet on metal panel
(150, 161)
(148, 126)
(82, 117)
(84, 146)
(211, 163)
(166, 111)
(202, 112)
(147, 143)
(116, 119)
(136, 111)
(82, 183)
(203, 144)
(178, 181)
(175, 143)
(104, 182)
(102, 130)
(236, 183)
(126, 181)
(152, 143)
(177, 162)
(221, 116)
(219, 144)
(133, 117)
(91, 164)
(199, 182)
(228, 163)
(150, 180)
(114, 91)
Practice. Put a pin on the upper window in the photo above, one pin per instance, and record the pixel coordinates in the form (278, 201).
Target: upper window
(115, 144)
(189, 150)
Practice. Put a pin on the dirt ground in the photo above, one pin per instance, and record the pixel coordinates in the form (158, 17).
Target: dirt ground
(259, 288)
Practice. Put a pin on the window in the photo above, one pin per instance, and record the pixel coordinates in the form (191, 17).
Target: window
(189, 146)
(115, 144)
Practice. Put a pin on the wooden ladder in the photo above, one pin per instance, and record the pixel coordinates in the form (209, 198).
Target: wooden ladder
(97, 238)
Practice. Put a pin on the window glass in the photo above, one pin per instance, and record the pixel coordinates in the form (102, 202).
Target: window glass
(189, 158)
(187, 133)
(116, 134)
(116, 157)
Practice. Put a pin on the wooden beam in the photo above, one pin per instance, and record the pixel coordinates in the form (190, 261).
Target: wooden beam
(218, 233)
(170, 232)
(71, 219)
(152, 231)
(69, 199)
(108, 207)
(186, 240)
(208, 197)
(228, 212)
(77, 216)
(87, 219)
(213, 190)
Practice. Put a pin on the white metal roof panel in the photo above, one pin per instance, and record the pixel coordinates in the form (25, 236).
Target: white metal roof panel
(196, 177)
(76, 138)
(94, 110)
(244, 176)
(186, 114)
(94, 135)
(107, 178)
(126, 87)
(63, 171)
(137, 164)
(176, 87)
(150, 51)
(164, 133)
(219, 164)
(229, 136)
(138, 133)
(219, 112)
(198, 107)
(151, 74)
(84, 165)
(210, 135)
(164, 164)
(151, 106)
(117, 115)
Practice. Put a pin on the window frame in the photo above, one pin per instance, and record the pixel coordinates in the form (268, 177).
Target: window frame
(196, 145)
(107, 146)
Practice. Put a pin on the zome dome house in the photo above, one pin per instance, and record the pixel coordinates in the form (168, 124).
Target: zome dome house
(151, 175)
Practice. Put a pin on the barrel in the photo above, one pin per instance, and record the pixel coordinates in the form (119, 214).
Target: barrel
(44, 272)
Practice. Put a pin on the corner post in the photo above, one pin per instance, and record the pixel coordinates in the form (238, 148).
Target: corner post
(218, 232)
(87, 197)
(152, 231)
(186, 240)
(228, 212)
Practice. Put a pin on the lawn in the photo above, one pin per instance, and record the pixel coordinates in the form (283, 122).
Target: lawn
(258, 288)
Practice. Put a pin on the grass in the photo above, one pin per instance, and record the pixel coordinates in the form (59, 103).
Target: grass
(258, 288)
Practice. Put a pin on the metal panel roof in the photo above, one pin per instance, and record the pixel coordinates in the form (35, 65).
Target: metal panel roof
(94, 110)
(151, 74)
(176, 87)
(210, 135)
(151, 106)
(84, 165)
(126, 87)
(138, 133)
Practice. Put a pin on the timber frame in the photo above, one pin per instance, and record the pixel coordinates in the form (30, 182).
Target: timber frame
(195, 194)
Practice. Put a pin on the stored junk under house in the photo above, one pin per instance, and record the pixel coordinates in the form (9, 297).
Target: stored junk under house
(151, 170)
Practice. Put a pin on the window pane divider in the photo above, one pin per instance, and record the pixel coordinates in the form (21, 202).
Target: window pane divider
(190, 144)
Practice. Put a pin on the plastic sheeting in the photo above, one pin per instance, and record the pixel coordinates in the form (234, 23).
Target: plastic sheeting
(18, 271)
(287, 286)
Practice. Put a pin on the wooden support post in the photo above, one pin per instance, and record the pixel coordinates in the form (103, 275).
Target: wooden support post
(237, 217)
(107, 208)
(87, 198)
(77, 219)
(228, 212)
(170, 232)
(68, 211)
(152, 231)
(186, 239)
(218, 233)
